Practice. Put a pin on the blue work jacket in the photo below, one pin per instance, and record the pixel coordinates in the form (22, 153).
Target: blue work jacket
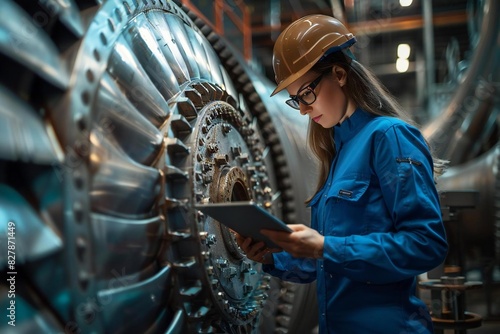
(380, 214)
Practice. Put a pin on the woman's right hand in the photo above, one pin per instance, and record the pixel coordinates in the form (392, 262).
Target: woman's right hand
(256, 251)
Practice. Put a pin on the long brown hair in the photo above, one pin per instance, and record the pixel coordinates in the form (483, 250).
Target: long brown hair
(367, 92)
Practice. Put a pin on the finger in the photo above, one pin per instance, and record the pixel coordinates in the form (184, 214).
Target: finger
(240, 239)
(275, 250)
(246, 243)
(261, 255)
(255, 250)
(258, 247)
(297, 227)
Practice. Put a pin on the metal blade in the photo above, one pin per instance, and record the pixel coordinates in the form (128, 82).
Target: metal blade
(26, 43)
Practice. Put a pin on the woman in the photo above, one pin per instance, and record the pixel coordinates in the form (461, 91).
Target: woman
(376, 220)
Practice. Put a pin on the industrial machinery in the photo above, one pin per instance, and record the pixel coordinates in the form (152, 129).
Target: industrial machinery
(466, 132)
(116, 118)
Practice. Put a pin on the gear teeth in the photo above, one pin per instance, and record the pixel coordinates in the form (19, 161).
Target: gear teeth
(180, 126)
(191, 291)
(173, 173)
(176, 147)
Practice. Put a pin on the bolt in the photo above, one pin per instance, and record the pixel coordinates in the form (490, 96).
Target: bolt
(254, 181)
(207, 179)
(232, 311)
(247, 288)
(259, 298)
(221, 263)
(221, 159)
(236, 150)
(229, 272)
(212, 148)
(246, 131)
(244, 158)
(246, 266)
(205, 255)
(211, 239)
(206, 167)
(226, 128)
(210, 270)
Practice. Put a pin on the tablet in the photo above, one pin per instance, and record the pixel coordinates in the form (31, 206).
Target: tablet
(246, 218)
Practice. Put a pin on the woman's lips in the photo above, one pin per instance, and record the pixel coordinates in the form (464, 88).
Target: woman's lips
(316, 119)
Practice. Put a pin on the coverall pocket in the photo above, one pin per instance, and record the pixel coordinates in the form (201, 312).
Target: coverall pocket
(349, 190)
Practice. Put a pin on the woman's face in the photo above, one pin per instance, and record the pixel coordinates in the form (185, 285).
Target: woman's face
(331, 106)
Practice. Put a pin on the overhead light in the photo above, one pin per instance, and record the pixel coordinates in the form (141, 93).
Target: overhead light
(404, 51)
(402, 65)
(402, 62)
(405, 3)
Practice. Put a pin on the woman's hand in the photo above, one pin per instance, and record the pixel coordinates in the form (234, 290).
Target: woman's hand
(303, 242)
(256, 251)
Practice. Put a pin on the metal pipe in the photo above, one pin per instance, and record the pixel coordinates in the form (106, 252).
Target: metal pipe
(446, 126)
(429, 50)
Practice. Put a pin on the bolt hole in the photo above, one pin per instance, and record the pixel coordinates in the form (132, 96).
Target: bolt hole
(86, 98)
(90, 75)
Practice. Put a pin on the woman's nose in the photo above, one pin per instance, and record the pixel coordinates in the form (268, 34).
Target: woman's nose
(303, 109)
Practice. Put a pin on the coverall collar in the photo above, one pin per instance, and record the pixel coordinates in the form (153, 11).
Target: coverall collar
(350, 126)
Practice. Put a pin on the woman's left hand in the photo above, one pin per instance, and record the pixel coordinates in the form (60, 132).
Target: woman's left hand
(303, 242)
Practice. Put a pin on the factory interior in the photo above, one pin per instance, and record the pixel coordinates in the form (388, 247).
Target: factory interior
(118, 117)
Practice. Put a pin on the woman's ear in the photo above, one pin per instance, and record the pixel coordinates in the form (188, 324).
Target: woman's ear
(341, 75)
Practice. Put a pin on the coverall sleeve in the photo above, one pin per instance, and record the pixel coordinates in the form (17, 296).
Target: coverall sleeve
(417, 243)
(291, 269)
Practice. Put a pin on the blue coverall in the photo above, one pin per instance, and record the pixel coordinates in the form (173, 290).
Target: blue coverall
(380, 214)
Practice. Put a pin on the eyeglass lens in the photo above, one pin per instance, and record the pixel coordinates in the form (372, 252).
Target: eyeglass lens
(306, 95)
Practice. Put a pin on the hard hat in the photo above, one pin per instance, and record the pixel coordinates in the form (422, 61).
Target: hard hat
(303, 43)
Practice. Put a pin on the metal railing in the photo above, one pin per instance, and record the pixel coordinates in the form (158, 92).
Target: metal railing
(238, 14)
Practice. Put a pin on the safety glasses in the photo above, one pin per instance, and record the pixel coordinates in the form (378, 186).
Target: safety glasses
(306, 95)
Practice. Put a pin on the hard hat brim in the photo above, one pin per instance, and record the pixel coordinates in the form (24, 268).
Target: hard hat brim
(288, 81)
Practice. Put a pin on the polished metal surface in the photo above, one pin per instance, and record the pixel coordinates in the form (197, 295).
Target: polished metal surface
(466, 133)
(101, 170)
(26, 42)
(25, 136)
(471, 108)
(480, 225)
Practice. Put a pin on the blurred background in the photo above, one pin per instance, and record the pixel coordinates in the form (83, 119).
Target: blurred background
(415, 47)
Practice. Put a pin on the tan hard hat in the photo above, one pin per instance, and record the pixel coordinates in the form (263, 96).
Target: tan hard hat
(303, 43)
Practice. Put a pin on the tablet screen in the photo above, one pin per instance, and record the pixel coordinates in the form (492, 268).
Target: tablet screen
(246, 218)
